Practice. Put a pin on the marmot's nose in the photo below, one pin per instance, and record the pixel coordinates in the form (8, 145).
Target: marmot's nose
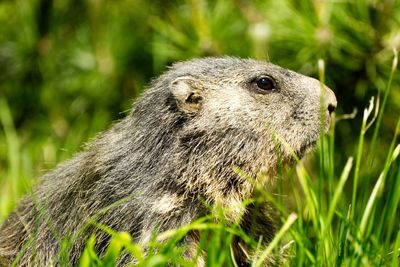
(330, 99)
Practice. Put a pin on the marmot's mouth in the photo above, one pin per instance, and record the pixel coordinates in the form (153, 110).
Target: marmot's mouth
(305, 148)
(328, 120)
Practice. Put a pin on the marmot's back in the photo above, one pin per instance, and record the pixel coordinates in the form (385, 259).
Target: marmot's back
(175, 151)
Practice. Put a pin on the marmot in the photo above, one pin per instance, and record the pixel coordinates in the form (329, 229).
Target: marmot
(175, 151)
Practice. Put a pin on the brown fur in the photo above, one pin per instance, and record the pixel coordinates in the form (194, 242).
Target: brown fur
(176, 149)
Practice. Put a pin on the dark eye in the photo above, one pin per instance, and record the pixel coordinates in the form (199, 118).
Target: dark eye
(265, 84)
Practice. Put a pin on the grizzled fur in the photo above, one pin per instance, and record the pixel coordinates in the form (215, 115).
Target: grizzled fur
(173, 152)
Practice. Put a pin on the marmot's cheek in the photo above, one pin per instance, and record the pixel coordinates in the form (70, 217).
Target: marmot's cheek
(300, 134)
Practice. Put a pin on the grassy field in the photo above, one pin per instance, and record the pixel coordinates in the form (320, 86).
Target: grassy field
(64, 77)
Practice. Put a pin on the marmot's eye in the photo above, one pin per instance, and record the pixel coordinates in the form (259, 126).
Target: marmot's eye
(265, 84)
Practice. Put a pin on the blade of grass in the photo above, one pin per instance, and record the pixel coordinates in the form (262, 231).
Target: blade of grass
(343, 234)
(332, 153)
(392, 155)
(396, 252)
(321, 71)
(339, 190)
(306, 186)
(367, 113)
(389, 219)
(290, 220)
(326, 228)
(89, 256)
(382, 109)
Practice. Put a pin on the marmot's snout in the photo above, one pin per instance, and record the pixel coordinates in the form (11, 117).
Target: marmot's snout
(330, 100)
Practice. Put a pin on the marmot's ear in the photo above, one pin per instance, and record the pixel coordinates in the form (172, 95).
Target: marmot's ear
(188, 93)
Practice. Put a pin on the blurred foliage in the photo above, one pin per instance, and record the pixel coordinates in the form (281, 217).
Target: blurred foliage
(68, 68)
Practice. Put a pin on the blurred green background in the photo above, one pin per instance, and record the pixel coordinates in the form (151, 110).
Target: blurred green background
(69, 68)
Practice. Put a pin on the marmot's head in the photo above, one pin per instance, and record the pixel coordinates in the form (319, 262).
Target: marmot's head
(235, 112)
